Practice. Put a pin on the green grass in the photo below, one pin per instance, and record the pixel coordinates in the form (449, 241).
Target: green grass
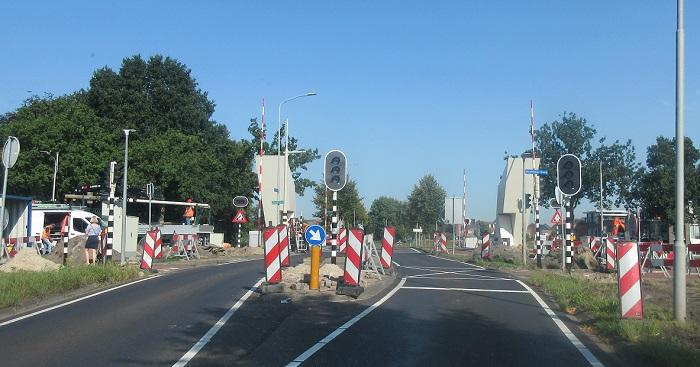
(27, 285)
(656, 337)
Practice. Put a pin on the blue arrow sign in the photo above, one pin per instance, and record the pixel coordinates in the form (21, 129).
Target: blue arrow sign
(315, 235)
(539, 172)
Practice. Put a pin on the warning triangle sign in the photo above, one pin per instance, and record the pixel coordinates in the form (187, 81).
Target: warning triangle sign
(239, 217)
(556, 218)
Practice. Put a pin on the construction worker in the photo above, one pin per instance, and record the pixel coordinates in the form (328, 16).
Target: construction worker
(617, 225)
(46, 238)
(188, 215)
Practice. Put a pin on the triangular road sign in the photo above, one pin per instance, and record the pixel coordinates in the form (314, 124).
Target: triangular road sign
(239, 217)
(556, 218)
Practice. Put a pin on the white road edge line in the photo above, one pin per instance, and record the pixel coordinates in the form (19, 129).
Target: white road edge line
(416, 250)
(457, 261)
(316, 347)
(564, 329)
(216, 327)
(397, 264)
(8, 322)
(466, 289)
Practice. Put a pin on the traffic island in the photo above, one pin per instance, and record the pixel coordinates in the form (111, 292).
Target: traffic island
(349, 290)
(268, 288)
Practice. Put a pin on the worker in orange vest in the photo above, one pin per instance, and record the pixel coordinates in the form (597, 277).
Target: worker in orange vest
(617, 225)
(188, 215)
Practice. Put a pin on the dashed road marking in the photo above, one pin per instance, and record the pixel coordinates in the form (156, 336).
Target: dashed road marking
(465, 289)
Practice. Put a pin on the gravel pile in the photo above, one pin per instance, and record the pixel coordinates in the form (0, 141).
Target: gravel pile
(29, 260)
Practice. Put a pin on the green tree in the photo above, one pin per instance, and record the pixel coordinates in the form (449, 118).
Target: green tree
(349, 203)
(657, 188)
(387, 210)
(573, 134)
(426, 203)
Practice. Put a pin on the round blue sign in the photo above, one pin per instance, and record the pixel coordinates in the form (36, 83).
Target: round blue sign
(315, 235)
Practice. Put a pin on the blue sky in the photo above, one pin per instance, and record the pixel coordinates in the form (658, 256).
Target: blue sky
(405, 88)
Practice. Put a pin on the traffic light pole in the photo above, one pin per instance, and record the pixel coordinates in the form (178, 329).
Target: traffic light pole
(334, 228)
(679, 248)
(522, 218)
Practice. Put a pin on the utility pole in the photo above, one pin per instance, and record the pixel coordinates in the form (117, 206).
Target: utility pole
(522, 218)
(679, 301)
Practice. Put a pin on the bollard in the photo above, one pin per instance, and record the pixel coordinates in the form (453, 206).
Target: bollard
(315, 267)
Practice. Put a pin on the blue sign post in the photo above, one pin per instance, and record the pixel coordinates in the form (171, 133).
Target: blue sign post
(315, 235)
(539, 172)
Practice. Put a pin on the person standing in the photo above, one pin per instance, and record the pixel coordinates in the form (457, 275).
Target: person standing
(93, 232)
(188, 215)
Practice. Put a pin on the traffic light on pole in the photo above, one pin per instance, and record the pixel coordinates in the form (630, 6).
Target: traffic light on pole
(335, 170)
(528, 201)
(569, 174)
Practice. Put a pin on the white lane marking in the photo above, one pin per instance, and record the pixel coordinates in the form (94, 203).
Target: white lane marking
(316, 347)
(564, 329)
(397, 264)
(214, 329)
(75, 301)
(477, 276)
(461, 278)
(457, 261)
(465, 289)
(414, 250)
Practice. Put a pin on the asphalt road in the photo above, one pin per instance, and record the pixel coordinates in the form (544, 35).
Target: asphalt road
(154, 322)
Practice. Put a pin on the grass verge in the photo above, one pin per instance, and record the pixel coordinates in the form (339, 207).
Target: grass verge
(21, 286)
(656, 337)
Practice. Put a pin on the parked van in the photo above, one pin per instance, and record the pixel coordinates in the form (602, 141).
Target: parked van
(46, 214)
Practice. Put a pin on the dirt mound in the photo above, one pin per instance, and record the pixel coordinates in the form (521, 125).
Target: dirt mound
(295, 274)
(76, 255)
(509, 254)
(244, 251)
(332, 271)
(29, 260)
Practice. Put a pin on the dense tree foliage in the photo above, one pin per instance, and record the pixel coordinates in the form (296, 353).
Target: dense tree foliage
(426, 203)
(658, 186)
(575, 135)
(350, 204)
(386, 210)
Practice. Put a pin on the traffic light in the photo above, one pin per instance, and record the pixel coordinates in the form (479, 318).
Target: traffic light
(528, 201)
(335, 170)
(569, 174)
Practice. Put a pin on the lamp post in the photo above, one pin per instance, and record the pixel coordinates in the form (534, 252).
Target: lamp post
(286, 149)
(126, 170)
(55, 170)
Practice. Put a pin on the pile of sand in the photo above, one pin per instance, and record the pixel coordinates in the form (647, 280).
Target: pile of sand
(332, 271)
(295, 274)
(29, 260)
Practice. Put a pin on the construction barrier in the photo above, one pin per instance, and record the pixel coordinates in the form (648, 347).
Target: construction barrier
(273, 269)
(283, 244)
(342, 239)
(388, 246)
(353, 266)
(486, 246)
(436, 241)
(443, 242)
(610, 253)
(14, 244)
(158, 249)
(629, 280)
(64, 234)
(149, 246)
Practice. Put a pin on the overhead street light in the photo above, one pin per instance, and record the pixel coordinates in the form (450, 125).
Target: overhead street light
(286, 151)
(55, 170)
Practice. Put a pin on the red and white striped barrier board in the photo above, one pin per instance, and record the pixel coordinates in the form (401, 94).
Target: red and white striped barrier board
(486, 246)
(283, 233)
(149, 246)
(354, 254)
(387, 246)
(443, 242)
(158, 246)
(610, 253)
(594, 245)
(342, 239)
(629, 280)
(273, 270)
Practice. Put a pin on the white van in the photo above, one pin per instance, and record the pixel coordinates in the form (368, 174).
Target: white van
(45, 214)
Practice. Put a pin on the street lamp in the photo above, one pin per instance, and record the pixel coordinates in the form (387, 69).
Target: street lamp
(55, 170)
(126, 168)
(286, 149)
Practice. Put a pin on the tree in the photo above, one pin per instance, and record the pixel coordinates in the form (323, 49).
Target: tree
(297, 162)
(350, 204)
(387, 210)
(426, 203)
(657, 188)
(574, 135)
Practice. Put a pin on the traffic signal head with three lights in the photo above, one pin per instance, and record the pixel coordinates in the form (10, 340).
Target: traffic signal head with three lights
(335, 170)
(569, 174)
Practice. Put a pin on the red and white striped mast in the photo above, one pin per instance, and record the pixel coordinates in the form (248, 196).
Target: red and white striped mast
(464, 207)
(261, 221)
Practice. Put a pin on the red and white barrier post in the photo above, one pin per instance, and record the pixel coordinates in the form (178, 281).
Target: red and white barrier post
(486, 246)
(283, 244)
(149, 246)
(353, 266)
(629, 281)
(443, 243)
(64, 233)
(436, 242)
(158, 246)
(273, 271)
(388, 246)
(610, 253)
(342, 239)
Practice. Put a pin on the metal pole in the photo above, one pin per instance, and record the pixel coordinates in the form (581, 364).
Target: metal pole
(679, 300)
(602, 226)
(453, 225)
(2, 208)
(334, 228)
(279, 147)
(522, 218)
(122, 259)
(286, 164)
(55, 170)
